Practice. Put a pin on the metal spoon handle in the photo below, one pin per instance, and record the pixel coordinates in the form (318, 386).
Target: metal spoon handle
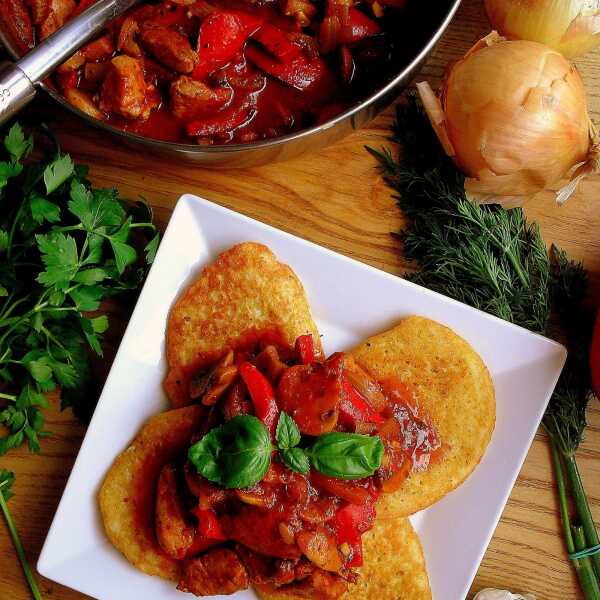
(17, 80)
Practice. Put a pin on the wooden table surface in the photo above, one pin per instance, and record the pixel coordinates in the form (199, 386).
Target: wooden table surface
(335, 198)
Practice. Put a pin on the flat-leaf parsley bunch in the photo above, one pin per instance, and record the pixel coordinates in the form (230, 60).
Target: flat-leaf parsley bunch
(64, 247)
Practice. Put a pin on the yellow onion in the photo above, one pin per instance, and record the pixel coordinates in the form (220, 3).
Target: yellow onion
(569, 26)
(513, 116)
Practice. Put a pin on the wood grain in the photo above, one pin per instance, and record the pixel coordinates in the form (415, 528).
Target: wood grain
(334, 198)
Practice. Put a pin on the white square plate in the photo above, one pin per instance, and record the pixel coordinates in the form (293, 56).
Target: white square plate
(349, 301)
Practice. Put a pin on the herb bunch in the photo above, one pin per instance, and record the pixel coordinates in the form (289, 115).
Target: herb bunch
(64, 248)
(494, 260)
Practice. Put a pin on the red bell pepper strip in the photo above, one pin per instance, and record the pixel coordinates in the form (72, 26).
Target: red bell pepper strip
(358, 27)
(355, 409)
(305, 348)
(223, 123)
(595, 356)
(350, 522)
(276, 41)
(208, 524)
(262, 394)
(299, 73)
(222, 35)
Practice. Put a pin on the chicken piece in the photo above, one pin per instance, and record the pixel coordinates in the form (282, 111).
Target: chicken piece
(99, 49)
(268, 570)
(319, 585)
(83, 102)
(124, 88)
(16, 22)
(54, 14)
(259, 531)
(192, 99)
(126, 40)
(219, 571)
(174, 534)
(169, 47)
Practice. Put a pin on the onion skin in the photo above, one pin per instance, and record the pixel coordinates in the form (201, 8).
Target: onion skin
(570, 26)
(514, 119)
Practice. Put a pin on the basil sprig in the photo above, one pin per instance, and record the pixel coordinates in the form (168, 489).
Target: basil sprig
(238, 453)
(235, 455)
(346, 455)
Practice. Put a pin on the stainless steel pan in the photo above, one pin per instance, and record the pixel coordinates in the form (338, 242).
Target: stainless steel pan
(421, 38)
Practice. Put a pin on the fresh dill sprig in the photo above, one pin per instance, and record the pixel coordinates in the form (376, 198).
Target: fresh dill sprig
(485, 256)
(565, 418)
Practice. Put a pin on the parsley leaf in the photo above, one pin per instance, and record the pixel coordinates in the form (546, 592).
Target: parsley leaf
(16, 144)
(87, 298)
(57, 172)
(151, 249)
(95, 209)
(42, 209)
(60, 256)
(9, 170)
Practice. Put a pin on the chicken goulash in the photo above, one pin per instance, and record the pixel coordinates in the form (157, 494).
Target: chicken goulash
(217, 71)
(283, 473)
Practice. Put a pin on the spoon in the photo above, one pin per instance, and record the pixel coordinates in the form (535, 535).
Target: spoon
(18, 80)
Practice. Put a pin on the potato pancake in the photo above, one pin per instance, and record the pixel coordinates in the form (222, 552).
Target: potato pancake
(244, 295)
(453, 387)
(127, 494)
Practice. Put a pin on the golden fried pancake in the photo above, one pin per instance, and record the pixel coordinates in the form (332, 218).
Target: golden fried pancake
(453, 386)
(127, 494)
(244, 295)
(394, 566)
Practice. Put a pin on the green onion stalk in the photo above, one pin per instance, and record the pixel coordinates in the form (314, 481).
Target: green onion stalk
(575, 539)
(6, 480)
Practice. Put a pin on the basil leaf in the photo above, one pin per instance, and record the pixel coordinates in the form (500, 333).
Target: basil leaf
(235, 455)
(347, 455)
(287, 433)
(296, 460)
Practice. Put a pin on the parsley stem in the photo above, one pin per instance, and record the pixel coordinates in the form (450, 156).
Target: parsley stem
(10, 397)
(68, 228)
(13, 228)
(148, 225)
(12, 307)
(35, 592)
(51, 337)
